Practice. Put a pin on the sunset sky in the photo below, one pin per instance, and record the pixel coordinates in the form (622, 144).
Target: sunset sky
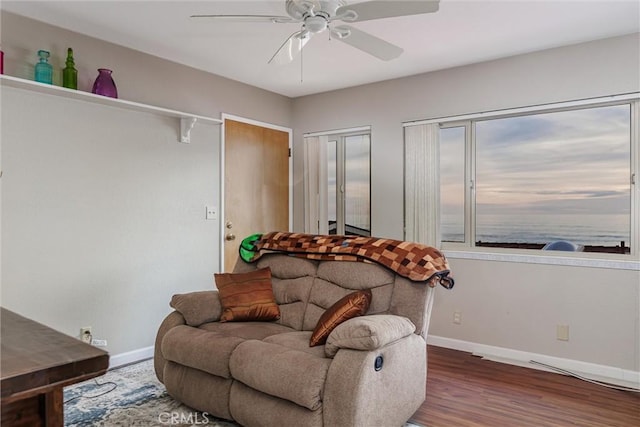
(570, 162)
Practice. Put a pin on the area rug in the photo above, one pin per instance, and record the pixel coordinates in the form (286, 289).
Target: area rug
(132, 396)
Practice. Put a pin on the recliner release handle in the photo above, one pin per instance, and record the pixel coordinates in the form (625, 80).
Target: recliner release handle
(378, 363)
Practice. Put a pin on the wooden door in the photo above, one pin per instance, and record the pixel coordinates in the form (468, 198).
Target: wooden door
(256, 184)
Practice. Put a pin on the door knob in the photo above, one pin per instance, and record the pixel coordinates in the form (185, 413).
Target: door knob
(229, 237)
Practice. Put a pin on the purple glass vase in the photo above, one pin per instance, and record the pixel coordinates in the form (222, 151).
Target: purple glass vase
(104, 84)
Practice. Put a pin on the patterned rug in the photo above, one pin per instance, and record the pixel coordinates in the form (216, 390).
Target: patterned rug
(129, 396)
(132, 396)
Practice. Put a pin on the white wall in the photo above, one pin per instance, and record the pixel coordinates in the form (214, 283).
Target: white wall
(103, 215)
(504, 304)
(102, 209)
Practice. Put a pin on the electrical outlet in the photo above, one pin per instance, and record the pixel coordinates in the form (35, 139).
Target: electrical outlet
(457, 317)
(562, 332)
(85, 334)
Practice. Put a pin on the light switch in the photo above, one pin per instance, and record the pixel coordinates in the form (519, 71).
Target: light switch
(212, 212)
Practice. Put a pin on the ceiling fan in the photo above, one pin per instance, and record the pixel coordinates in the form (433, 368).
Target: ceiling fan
(317, 16)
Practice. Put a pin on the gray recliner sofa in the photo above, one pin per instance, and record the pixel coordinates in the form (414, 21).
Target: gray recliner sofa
(372, 370)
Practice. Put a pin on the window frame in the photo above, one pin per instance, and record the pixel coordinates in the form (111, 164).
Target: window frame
(341, 177)
(468, 248)
(469, 173)
(319, 220)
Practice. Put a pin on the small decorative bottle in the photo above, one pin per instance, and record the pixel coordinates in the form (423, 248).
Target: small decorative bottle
(104, 84)
(44, 70)
(69, 73)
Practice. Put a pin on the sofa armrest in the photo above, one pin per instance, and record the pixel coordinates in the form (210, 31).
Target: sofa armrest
(171, 321)
(368, 333)
(198, 308)
(386, 395)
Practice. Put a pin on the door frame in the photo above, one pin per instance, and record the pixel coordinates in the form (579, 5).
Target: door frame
(289, 131)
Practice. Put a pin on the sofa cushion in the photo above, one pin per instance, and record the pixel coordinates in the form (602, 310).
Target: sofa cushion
(247, 330)
(298, 340)
(325, 293)
(354, 275)
(350, 306)
(368, 333)
(292, 296)
(204, 392)
(200, 349)
(247, 296)
(253, 408)
(279, 371)
(292, 278)
(288, 267)
(209, 347)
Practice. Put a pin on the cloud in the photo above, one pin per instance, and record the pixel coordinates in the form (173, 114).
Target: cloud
(545, 158)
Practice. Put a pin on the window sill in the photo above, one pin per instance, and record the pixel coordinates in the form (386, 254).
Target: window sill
(573, 261)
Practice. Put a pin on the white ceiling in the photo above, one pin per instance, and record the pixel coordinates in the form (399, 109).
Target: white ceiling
(461, 32)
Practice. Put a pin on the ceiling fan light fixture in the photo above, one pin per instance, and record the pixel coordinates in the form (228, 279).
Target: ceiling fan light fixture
(315, 24)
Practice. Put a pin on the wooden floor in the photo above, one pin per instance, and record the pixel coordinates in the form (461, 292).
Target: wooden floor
(464, 390)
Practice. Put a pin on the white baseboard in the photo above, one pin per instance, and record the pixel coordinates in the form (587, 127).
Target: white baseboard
(608, 374)
(130, 357)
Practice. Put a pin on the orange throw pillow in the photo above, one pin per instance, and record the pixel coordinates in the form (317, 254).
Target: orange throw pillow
(247, 296)
(350, 306)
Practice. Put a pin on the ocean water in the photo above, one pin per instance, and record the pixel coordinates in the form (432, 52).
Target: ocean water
(602, 230)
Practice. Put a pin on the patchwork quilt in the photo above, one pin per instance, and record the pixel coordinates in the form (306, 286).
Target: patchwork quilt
(416, 262)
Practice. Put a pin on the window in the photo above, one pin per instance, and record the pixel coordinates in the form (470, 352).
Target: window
(527, 180)
(338, 175)
(452, 159)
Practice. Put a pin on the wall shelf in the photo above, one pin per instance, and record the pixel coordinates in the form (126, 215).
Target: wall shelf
(187, 120)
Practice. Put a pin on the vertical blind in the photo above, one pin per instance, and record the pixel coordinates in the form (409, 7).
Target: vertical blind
(422, 184)
(315, 189)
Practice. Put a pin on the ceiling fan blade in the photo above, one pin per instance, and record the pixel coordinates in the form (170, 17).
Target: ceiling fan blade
(248, 18)
(291, 47)
(367, 43)
(369, 10)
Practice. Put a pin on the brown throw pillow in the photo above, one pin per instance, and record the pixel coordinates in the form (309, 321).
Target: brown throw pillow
(247, 296)
(350, 306)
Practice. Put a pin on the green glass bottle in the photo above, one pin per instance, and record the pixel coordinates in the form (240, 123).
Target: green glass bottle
(44, 70)
(69, 73)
